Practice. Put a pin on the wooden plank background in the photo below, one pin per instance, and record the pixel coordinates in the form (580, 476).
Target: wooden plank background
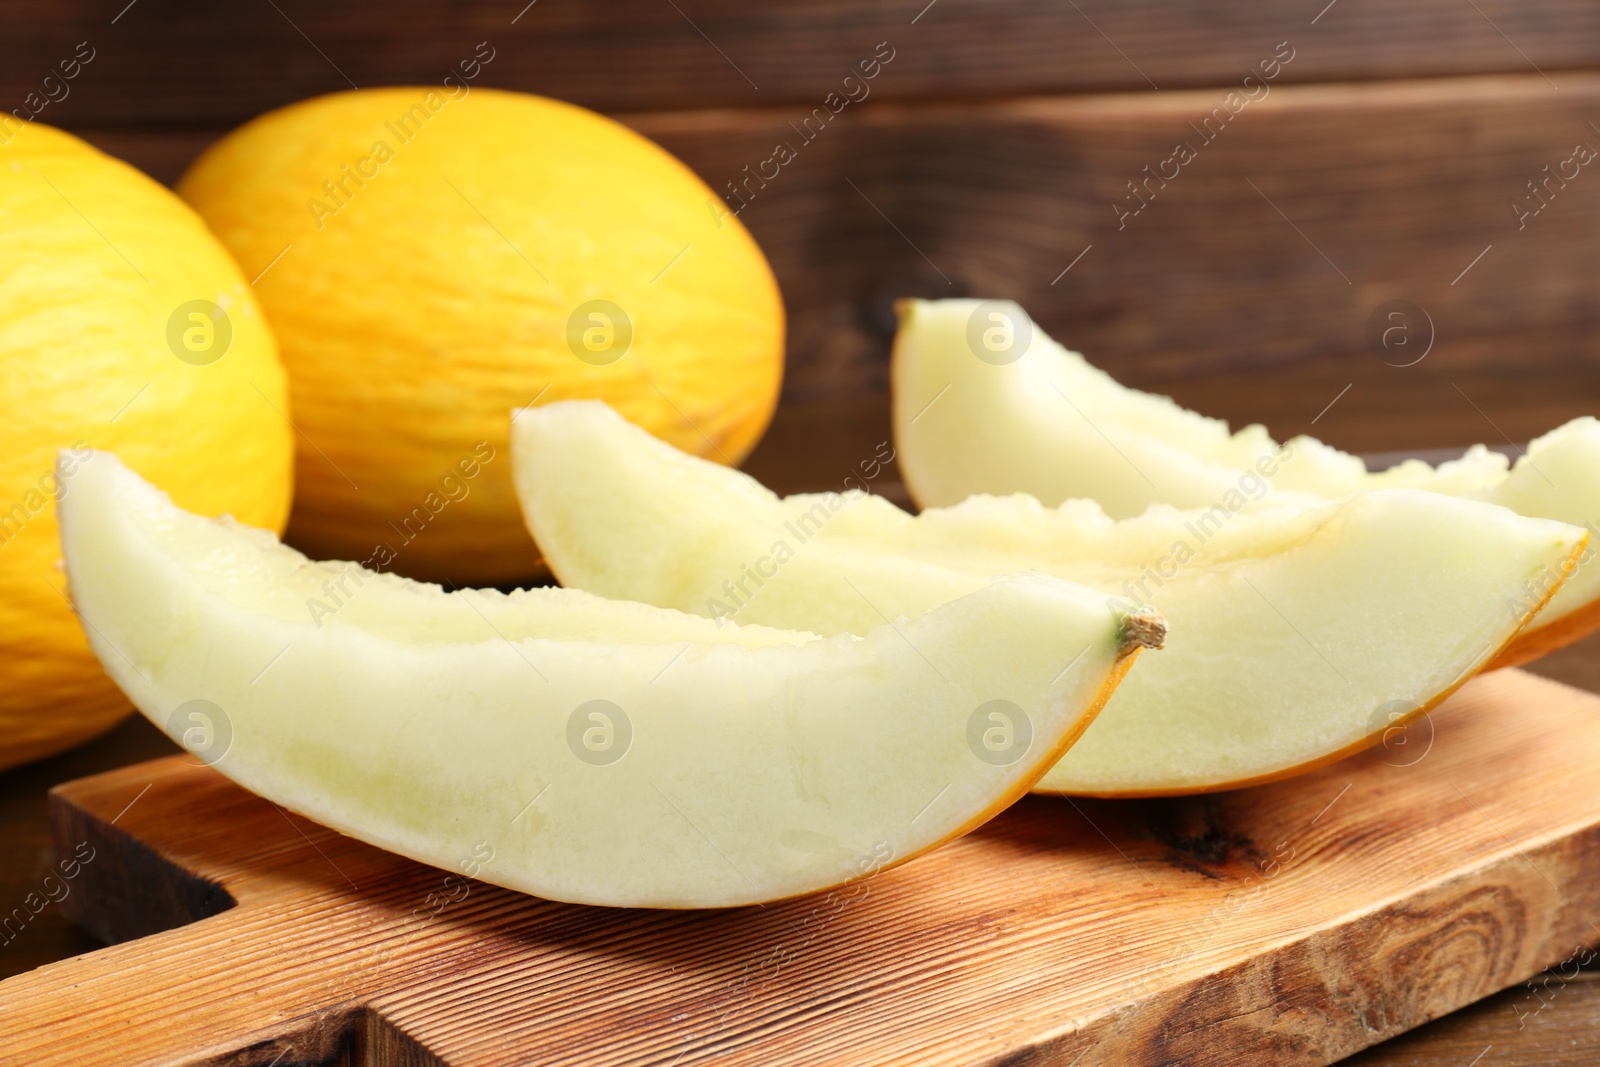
(177, 62)
(1244, 287)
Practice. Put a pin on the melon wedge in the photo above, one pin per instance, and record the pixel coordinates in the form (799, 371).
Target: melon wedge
(573, 747)
(1038, 419)
(1299, 633)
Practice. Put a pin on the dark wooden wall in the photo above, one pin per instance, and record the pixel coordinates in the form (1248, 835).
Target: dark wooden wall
(1382, 165)
(179, 62)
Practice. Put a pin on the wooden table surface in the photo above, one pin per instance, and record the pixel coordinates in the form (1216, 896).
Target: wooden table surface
(1556, 1024)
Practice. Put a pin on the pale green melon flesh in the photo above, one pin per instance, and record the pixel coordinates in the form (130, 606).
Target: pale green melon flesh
(762, 763)
(1051, 425)
(1296, 630)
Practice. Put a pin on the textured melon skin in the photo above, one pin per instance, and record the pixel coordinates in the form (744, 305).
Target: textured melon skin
(96, 263)
(458, 278)
(730, 765)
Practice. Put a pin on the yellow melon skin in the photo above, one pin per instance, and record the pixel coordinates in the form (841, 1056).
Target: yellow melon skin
(95, 258)
(434, 251)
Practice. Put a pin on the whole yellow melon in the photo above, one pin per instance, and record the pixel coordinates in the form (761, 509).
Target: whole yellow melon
(434, 258)
(124, 325)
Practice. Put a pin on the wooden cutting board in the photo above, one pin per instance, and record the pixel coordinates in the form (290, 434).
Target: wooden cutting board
(1287, 924)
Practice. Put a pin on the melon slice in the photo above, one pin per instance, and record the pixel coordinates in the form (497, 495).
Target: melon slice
(1299, 633)
(1036, 418)
(593, 751)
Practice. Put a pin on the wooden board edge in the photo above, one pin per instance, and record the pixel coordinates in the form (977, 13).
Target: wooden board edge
(350, 1035)
(143, 892)
(1453, 943)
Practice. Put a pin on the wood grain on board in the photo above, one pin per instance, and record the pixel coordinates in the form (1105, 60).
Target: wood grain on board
(160, 63)
(1289, 924)
(1550, 1021)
